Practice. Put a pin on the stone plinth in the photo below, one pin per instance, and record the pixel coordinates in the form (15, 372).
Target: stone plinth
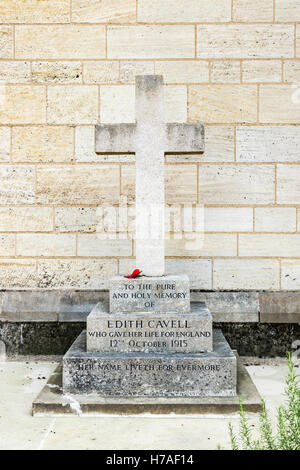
(169, 294)
(150, 375)
(52, 401)
(149, 332)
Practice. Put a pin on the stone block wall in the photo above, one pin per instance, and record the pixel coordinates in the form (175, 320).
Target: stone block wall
(66, 65)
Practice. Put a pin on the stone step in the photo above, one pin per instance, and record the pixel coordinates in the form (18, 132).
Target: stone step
(149, 332)
(150, 375)
(169, 293)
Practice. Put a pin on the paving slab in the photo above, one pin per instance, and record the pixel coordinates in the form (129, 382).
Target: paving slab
(22, 380)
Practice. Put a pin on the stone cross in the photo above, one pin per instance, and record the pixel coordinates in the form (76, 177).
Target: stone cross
(150, 138)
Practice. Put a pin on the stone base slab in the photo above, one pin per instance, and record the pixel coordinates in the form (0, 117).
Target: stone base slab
(52, 402)
(150, 332)
(150, 294)
(150, 375)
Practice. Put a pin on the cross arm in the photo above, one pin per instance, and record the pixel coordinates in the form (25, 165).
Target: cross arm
(115, 138)
(184, 138)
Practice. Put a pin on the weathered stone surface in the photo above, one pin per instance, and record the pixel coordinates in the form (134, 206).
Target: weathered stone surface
(117, 103)
(261, 71)
(68, 185)
(52, 401)
(200, 244)
(151, 42)
(254, 11)
(245, 41)
(18, 273)
(48, 305)
(288, 184)
(267, 144)
(241, 307)
(290, 274)
(149, 187)
(26, 219)
(130, 69)
(291, 71)
(275, 244)
(176, 103)
(275, 219)
(12, 71)
(150, 294)
(115, 138)
(261, 340)
(228, 219)
(57, 72)
(30, 99)
(6, 42)
(192, 11)
(104, 71)
(74, 273)
(281, 318)
(219, 103)
(225, 71)
(72, 104)
(187, 138)
(180, 183)
(38, 337)
(45, 244)
(7, 244)
(5, 137)
(85, 148)
(248, 274)
(77, 219)
(106, 11)
(59, 41)
(17, 184)
(183, 71)
(93, 245)
(283, 110)
(297, 41)
(279, 307)
(2, 351)
(42, 144)
(236, 184)
(287, 10)
(150, 375)
(47, 11)
(143, 332)
(219, 147)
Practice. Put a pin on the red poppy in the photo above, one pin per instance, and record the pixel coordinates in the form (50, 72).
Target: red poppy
(134, 274)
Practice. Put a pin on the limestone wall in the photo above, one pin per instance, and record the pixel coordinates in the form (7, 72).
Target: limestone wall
(67, 65)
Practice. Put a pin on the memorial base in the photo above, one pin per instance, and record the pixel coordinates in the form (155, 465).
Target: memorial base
(52, 402)
(149, 374)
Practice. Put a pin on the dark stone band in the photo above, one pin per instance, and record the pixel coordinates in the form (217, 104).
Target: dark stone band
(55, 338)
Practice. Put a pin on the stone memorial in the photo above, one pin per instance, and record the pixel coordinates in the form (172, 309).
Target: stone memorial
(150, 294)
(149, 340)
(146, 332)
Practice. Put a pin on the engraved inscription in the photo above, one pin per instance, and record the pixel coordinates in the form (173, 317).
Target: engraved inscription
(150, 334)
(150, 295)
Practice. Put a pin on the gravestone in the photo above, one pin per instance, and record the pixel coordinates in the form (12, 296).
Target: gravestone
(149, 341)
